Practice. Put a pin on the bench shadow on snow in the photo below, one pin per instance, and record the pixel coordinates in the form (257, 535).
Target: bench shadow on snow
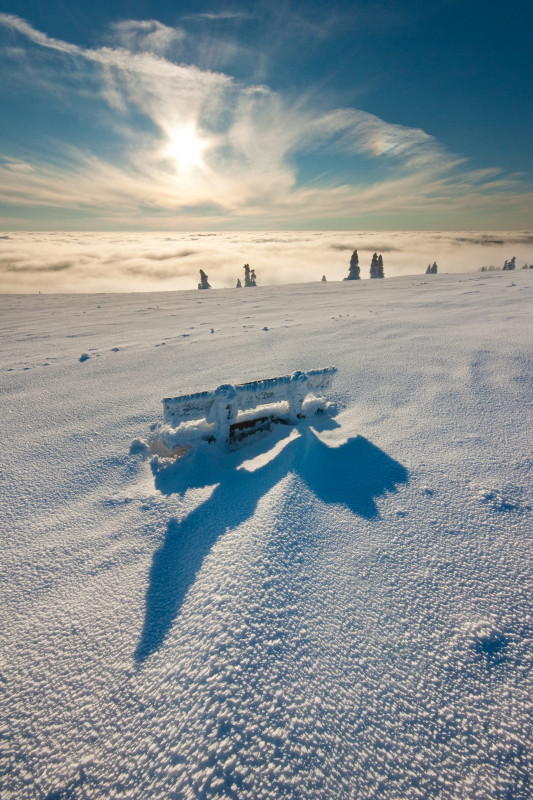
(353, 475)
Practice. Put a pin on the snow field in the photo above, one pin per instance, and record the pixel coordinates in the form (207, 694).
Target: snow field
(340, 611)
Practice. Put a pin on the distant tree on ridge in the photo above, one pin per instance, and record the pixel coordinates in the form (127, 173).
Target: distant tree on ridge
(509, 264)
(353, 271)
(250, 278)
(376, 266)
(204, 283)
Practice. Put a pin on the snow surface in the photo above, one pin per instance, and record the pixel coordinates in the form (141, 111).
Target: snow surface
(337, 610)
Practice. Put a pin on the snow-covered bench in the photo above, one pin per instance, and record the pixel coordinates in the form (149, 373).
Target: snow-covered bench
(225, 409)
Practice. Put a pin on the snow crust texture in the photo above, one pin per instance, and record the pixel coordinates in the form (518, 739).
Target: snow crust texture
(339, 609)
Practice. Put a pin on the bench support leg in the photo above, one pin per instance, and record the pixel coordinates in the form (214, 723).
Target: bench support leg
(297, 394)
(224, 412)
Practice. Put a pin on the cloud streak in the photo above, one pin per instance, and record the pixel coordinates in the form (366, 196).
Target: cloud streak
(219, 15)
(241, 163)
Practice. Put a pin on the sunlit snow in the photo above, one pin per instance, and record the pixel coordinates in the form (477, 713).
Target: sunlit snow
(340, 609)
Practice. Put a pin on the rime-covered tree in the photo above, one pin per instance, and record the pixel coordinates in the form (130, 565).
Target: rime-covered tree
(239, 284)
(376, 266)
(204, 283)
(249, 276)
(353, 271)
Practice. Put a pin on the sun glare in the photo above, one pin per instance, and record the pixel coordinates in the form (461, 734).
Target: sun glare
(186, 148)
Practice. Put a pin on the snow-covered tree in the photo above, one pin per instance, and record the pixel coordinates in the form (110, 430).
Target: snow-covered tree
(376, 266)
(428, 271)
(353, 271)
(239, 284)
(434, 268)
(204, 283)
(250, 278)
(324, 277)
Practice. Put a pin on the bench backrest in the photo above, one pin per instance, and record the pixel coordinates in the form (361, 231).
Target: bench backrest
(222, 405)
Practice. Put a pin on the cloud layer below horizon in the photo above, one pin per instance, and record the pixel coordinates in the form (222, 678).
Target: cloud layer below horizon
(127, 262)
(175, 145)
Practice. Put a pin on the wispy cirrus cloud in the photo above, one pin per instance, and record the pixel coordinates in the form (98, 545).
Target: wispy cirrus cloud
(216, 152)
(214, 16)
(149, 35)
(148, 63)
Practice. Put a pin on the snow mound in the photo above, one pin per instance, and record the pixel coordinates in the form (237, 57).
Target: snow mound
(508, 498)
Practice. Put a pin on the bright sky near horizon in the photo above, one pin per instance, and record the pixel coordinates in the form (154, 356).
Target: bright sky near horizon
(254, 115)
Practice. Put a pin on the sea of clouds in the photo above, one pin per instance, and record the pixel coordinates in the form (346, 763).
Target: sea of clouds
(141, 262)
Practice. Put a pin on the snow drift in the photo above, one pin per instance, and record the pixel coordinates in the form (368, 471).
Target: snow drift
(339, 610)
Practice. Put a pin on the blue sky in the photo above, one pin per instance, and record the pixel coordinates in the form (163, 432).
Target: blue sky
(288, 115)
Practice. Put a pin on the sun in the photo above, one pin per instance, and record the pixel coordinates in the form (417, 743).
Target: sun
(186, 148)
